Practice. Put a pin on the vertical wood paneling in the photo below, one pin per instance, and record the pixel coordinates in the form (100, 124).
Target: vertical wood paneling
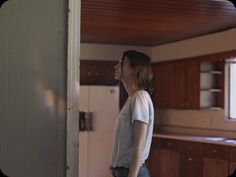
(4, 36)
(15, 107)
(61, 87)
(152, 22)
(41, 137)
(33, 88)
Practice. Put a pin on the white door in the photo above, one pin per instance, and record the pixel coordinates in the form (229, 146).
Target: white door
(95, 151)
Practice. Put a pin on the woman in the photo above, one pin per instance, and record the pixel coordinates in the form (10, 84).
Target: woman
(134, 126)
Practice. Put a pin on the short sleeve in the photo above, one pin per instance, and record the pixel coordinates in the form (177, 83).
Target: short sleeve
(140, 107)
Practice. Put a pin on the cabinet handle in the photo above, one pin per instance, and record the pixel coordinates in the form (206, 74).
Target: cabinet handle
(214, 150)
(190, 147)
(190, 159)
(89, 73)
(96, 74)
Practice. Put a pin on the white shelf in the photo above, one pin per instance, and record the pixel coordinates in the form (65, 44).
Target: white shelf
(211, 90)
(212, 108)
(211, 72)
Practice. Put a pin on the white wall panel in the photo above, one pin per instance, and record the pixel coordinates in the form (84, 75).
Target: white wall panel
(4, 36)
(33, 88)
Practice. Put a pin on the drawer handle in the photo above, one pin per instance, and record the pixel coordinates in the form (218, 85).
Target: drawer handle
(190, 147)
(169, 144)
(214, 150)
(190, 159)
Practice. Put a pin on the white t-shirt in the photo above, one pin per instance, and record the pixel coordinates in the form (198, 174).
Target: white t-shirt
(138, 107)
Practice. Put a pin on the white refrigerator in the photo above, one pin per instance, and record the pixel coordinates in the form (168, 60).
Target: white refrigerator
(99, 107)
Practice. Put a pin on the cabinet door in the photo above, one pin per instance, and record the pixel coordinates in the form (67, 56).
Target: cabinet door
(232, 162)
(215, 161)
(97, 73)
(186, 84)
(153, 161)
(191, 159)
(169, 163)
(163, 84)
(192, 96)
(169, 158)
(190, 165)
(179, 84)
(215, 167)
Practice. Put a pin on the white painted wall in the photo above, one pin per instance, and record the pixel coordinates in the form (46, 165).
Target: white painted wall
(33, 88)
(217, 42)
(107, 52)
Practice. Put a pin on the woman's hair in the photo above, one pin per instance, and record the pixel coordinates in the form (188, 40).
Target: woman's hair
(143, 63)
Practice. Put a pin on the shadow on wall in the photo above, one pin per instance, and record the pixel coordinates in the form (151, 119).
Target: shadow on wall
(1, 2)
(1, 174)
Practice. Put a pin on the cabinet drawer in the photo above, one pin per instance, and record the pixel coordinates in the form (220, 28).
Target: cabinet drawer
(216, 151)
(169, 144)
(187, 147)
(233, 154)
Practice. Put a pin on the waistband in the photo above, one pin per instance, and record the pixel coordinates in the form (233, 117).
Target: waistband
(121, 167)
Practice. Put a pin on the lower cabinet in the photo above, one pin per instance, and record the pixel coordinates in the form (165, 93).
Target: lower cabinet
(215, 160)
(190, 166)
(178, 158)
(190, 159)
(232, 162)
(169, 163)
(215, 168)
(153, 161)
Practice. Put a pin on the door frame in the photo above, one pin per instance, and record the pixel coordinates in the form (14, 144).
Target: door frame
(73, 64)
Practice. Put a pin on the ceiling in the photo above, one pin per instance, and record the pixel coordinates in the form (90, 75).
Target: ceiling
(153, 22)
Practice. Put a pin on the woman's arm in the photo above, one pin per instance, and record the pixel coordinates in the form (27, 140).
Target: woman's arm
(140, 131)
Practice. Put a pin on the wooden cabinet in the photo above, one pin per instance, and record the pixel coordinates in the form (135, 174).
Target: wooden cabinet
(153, 161)
(169, 158)
(189, 84)
(97, 72)
(178, 158)
(163, 80)
(176, 84)
(186, 84)
(215, 161)
(232, 160)
(190, 159)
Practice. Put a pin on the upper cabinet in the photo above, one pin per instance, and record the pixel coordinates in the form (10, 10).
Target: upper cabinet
(97, 72)
(163, 81)
(186, 84)
(189, 84)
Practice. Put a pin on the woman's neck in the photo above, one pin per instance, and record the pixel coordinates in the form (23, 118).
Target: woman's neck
(131, 88)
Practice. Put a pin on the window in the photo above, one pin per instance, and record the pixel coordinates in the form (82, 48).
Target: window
(232, 90)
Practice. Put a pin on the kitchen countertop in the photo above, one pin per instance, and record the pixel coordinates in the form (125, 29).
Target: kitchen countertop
(203, 139)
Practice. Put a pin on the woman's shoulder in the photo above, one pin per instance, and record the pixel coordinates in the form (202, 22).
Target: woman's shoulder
(141, 93)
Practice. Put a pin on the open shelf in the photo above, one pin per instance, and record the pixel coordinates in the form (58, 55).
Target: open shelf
(211, 87)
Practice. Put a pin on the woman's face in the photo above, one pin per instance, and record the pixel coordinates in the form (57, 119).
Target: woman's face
(126, 73)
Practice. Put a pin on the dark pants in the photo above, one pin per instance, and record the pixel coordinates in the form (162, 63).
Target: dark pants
(123, 172)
